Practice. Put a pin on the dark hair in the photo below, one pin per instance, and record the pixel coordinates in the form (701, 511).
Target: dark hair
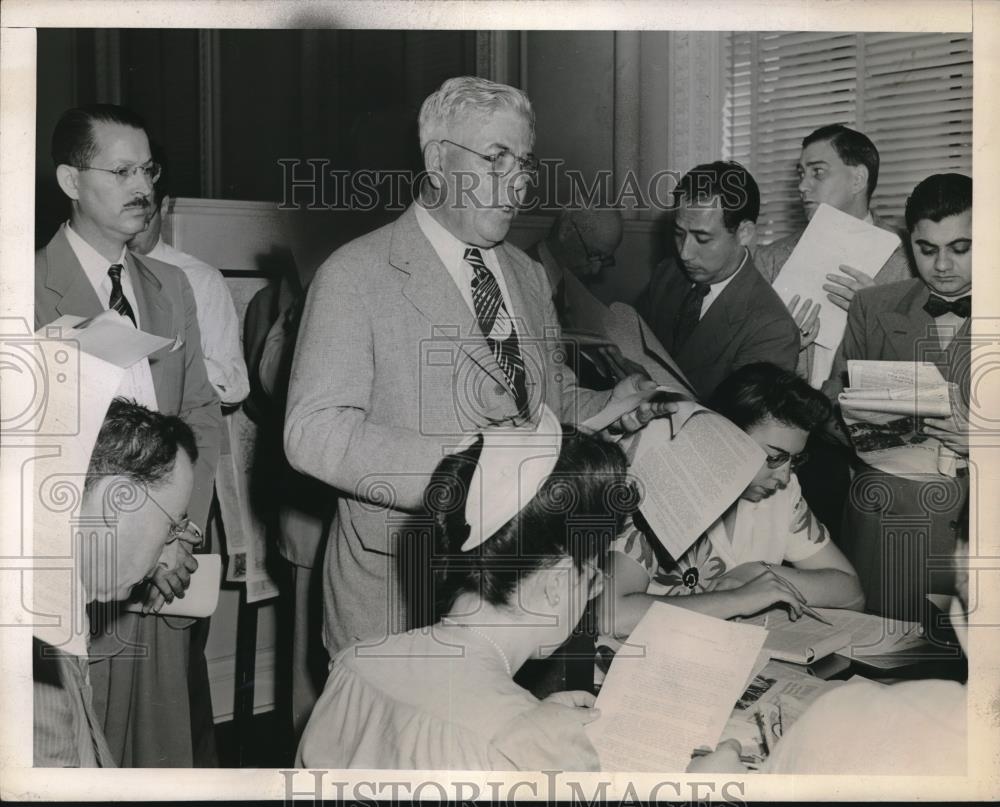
(730, 183)
(937, 197)
(851, 146)
(73, 138)
(139, 444)
(577, 512)
(755, 392)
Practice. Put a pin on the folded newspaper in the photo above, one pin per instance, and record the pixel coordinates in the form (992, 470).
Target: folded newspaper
(882, 409)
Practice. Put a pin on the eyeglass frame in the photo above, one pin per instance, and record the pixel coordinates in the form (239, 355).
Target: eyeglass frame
(528, 164)
(794, 460)
(124, 174)
(178, 528)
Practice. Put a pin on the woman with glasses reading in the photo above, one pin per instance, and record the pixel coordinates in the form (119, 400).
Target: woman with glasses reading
(522, 519)
(767, 549)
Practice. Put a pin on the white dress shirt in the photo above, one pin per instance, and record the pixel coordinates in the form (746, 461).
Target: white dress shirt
(217, 321)
(451, 251)
(716, 289)
(137, 383)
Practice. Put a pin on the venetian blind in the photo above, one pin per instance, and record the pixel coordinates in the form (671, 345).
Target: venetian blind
(911, 93)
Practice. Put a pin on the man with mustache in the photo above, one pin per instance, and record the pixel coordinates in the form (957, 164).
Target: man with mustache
(104, 166)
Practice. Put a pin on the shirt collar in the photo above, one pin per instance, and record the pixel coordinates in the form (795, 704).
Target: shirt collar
(95, 265)
(450, 249)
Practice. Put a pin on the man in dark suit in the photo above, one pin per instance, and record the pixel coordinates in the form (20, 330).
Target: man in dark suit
(924, 319)
(713, 311)
(104, 165)
(419, 333)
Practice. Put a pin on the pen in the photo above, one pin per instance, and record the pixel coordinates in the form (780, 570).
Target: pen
(704, 752)
(805, 608)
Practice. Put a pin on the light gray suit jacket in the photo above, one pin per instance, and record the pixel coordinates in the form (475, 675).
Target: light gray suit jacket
(391, 371)
(166, 308)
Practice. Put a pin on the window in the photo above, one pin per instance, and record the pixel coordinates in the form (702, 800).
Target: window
(911, 93)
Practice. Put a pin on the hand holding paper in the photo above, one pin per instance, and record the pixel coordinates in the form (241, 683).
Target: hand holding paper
(842, 288)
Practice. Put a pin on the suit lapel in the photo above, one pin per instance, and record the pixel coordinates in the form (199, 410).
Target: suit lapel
(155, 314)
(713, 332)
(67, 279)
(432, 291)
(911, 335)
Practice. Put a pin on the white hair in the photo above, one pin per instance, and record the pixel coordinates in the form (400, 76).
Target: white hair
(465, 95)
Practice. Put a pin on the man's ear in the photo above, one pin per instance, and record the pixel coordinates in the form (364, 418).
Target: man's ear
(68, 178)
(859, 179)
(432, 163)
(746, 231)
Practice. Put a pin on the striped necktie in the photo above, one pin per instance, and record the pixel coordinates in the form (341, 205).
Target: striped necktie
(497, 326)
(118, 302)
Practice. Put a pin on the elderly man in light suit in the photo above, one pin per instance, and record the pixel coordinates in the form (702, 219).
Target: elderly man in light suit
(419, 333)
(104, 165)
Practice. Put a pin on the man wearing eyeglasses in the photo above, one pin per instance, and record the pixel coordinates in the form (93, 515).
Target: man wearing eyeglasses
(105, 168)
(147, 459)
(419, 333)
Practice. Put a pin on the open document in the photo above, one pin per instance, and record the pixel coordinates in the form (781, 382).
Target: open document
(831, 239)
(658, 706)
(692, 466)
(882, 408)
(621, 325)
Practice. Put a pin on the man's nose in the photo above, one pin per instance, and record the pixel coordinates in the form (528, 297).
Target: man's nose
(803, 184)
(942, 262)
(687, 249)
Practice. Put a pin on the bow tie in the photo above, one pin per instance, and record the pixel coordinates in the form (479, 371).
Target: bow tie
(938, 306)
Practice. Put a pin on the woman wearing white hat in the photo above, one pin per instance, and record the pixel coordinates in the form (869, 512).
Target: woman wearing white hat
(523, 518)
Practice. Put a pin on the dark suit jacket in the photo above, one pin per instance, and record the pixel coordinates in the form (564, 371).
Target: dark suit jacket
(166, 308)
(888, 323)
(747, 323)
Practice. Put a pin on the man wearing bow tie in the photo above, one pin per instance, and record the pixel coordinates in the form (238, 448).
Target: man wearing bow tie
(925, 319)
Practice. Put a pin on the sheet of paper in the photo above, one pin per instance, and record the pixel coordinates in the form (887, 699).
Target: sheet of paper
(801, 642)
(831, 239)
(109, 337)
(691, 478)
(80, 390)
(657, 708)
(638, 343)
(202, 595)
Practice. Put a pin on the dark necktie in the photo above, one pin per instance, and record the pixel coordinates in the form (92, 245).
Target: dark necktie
(118, 302)
(689, 314)
(488, 302)
(938, 306)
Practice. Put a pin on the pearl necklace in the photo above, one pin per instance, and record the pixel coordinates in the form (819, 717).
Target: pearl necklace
(503, 655)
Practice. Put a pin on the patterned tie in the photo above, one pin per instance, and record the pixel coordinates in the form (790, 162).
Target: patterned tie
(497, 326)
(938, 306)
(118, 302)
(689, 314)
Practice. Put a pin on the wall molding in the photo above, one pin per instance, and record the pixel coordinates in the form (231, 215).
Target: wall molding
(222, 680)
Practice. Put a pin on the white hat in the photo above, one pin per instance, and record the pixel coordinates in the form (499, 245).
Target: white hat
(514, 463)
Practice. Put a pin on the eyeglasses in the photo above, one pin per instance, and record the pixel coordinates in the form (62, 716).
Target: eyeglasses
(504, 161)
(178, 529)
(795, 460)
(150, 170)
(603, 260)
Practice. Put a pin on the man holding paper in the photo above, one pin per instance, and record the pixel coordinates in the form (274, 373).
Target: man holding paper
(838, 167)
(711, 310)
(926, 319)
(105, 168)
